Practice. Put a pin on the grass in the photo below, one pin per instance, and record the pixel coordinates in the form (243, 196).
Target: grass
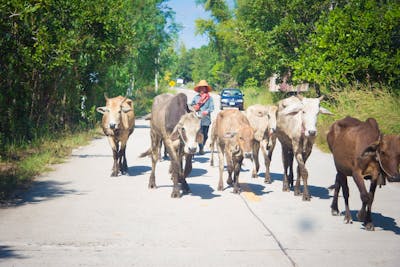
(19, 164)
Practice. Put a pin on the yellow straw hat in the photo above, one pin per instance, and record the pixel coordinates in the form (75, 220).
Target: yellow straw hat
(202, 83)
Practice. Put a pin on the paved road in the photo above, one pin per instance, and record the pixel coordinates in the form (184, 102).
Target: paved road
(77, 215)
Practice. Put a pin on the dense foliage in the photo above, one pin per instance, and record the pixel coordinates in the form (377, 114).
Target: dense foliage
(332, 44)
(59, 57)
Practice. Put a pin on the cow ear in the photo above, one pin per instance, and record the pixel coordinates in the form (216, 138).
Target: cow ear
(126, 109)
(229, 134)
(174, 135)
(370, 150)
(101, 110)
(323, 110)
(292, 109)
(199, 138)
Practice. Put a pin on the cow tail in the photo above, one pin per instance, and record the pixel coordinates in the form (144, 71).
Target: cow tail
(146, 153)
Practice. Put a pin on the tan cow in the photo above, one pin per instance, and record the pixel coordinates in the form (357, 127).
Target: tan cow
(173, 124)
(296, 130)
(118, 124)
(234, 137)
(263, 120)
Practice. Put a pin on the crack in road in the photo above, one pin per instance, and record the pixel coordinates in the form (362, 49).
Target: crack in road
(269, 231)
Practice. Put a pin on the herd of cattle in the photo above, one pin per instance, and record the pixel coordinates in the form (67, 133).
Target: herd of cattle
(359, 148)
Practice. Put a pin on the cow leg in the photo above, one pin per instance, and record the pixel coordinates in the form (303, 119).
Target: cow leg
(287, 158)
(175, 166)
(346, 194)
(229, 167)
(236, 165)
(302, 173)
(359, 180)
(267, 162)
(123, 164)
(155, 141)
(220, 149)
(256, 163)
(212, 141)
(334, 205)
(114, 147)
(369, 226)
(188, 169)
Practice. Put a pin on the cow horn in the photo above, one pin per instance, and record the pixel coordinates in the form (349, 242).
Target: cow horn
(299, 96)
(125, 98)
(105, 96)
(321, 98)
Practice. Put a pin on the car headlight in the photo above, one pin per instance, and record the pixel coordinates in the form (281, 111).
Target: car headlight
(224, 100)
(240, 100)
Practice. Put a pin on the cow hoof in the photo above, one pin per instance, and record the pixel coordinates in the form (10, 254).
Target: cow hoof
(254, 175)
(370, 226)
(297, 193)
(229, 182)
(285, 188)
(348, 220)
(306, 198)
(334, 212)
(175, 194)
(114, 174)
(220, 188)
(236, 190)
(152, 186)
(267, 181)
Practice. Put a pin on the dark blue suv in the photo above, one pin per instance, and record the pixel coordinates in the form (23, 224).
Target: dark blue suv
(232, 97)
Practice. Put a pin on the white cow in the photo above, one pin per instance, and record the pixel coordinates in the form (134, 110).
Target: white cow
(297, 130)
(263, 121)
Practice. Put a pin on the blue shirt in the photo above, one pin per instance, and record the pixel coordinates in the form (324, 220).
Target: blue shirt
(208, 106)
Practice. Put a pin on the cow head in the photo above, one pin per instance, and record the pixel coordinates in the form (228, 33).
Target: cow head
(113, 113)
(309, 108)
(272, 119)
(386, 152)
(389, 156)
(241, 142)
(188, 131)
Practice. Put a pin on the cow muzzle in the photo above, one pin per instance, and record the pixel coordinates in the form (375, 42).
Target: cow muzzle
(395, 178)
(112, 125)
(248, 155)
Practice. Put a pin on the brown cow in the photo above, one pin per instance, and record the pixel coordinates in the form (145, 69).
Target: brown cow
(263, 120)
(360, 150)
(118, 124)
(173, 124)
(234, 137)
(296, 130)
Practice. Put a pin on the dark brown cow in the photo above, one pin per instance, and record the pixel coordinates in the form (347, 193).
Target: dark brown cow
(360, 150)
(173, 124)
(234, 137)
(118, 124)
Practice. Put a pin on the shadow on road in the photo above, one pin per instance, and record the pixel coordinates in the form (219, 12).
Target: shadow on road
(138, 170)
(7, 252)
(381, 221)
(84, 156)
(196, 172)
(315, 191)
(42, 191)
(203, 191)
(141, 126)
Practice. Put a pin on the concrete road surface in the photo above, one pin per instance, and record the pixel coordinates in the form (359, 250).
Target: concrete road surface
(77, 215)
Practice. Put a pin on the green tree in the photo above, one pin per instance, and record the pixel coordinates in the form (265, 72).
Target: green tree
(358, 42)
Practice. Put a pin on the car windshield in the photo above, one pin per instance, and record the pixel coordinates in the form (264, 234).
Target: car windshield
(231, 93)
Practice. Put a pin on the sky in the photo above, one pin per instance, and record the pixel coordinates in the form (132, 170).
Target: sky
(186, 13)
